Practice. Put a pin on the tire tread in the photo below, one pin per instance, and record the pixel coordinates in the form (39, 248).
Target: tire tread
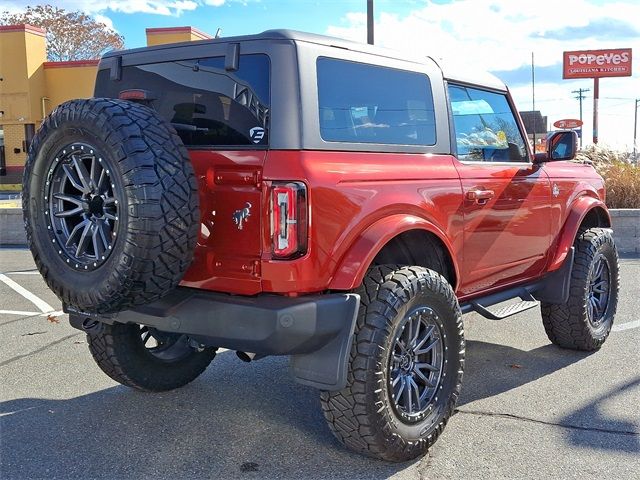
(161, 192)
(566, 324)
(352, 413)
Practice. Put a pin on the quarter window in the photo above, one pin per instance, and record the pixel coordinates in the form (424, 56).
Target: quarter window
(485, 127)
(362, 103)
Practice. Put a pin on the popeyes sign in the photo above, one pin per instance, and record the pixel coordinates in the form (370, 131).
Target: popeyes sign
(597, 63)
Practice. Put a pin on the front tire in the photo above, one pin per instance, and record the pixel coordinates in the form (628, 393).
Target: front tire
(585, 321)
(405, 369)
(147, 359)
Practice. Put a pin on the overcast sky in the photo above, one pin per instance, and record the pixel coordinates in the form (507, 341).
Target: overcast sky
(495, 35)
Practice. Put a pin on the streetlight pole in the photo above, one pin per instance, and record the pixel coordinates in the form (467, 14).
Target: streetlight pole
(596, 98)
(533, 101)
(635, 132)
(370, 22)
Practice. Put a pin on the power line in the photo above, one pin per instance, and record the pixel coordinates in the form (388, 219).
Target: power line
(556, 99)
(618, 104)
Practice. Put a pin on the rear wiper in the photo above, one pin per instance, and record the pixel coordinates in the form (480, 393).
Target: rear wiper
(188, 128)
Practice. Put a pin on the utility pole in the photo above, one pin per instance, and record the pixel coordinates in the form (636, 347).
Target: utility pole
(533, 101)
(580, 97)
(635, 132)
(370, 22)
(596, 97)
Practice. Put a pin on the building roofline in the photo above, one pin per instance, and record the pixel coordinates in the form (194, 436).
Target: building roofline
(191, 30)
(24, 27)
(71, 64)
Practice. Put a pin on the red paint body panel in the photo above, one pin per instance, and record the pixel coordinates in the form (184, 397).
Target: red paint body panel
(580, 189)
(507, 236)
(354, 265)
(348, 194)
(359, 201)
(227, 258)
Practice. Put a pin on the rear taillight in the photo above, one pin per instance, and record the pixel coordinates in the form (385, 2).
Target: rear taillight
(289, 219)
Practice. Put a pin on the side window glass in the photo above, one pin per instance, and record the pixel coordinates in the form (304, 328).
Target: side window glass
(208, 105)
(486, 129)
(363, 103)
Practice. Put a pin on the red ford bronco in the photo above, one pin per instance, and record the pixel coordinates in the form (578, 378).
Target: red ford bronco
(293, 194)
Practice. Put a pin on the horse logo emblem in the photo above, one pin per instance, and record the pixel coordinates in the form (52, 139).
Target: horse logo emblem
(241, 216)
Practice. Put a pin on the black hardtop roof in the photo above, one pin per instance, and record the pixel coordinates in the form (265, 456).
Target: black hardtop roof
(282, 34)
(451, 70)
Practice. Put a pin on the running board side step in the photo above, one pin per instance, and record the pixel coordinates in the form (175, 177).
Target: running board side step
(552, 288)
(482, 305)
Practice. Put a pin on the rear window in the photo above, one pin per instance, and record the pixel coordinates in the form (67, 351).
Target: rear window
(206, 104)
(361, 103)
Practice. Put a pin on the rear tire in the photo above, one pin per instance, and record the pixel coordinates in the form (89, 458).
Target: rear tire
(585, 321)
(110, 204)
(409, 321)
(124, 353)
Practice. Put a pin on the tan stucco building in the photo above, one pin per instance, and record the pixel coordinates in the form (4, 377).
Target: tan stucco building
(30, 87)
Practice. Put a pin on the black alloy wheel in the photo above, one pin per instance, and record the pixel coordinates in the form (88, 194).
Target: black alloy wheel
(83, 209)
(598, 290)
(168, 347)
(415, 365)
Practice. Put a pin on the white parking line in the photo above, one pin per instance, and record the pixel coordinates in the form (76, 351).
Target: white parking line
(23, 272)
(51, 313)
(19, 312)
(38, 302)
(626, 326)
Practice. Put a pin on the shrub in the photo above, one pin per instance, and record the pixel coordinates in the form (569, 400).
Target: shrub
(599, 155)
(622, 178)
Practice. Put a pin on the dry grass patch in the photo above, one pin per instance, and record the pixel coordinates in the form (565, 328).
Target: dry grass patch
(622, 178)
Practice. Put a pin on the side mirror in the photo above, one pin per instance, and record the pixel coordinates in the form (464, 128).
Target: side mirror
(561, 145)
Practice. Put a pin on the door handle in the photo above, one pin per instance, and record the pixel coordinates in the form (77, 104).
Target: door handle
(480, 196)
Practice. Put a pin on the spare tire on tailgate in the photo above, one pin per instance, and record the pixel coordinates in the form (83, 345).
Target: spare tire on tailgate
(110, 204)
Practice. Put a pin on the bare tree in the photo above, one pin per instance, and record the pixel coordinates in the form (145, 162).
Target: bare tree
(70, 35)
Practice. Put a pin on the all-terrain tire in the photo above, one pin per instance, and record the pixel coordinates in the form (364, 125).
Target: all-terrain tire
(364, 415)
(570, 325)
(121, 175)
(120, 352)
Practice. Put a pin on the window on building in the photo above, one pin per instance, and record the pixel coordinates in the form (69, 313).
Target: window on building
(485, 126)
(363, 103)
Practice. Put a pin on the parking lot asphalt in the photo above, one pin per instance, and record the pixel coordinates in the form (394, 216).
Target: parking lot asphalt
(528, 409)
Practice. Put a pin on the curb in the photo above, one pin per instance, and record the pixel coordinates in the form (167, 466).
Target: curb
(626, 229)
(12, 227)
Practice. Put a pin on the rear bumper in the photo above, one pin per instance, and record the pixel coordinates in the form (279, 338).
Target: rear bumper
(315, 330)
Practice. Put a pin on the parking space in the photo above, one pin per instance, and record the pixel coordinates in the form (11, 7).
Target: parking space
(527, 409)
